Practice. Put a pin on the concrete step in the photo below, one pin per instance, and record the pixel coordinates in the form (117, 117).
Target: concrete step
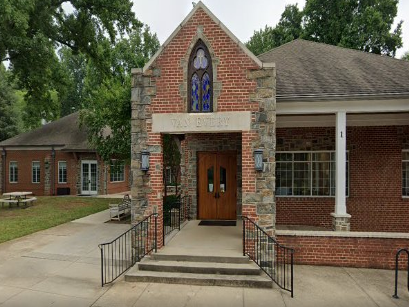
(249, 281)
(200, 258)
(248, 268)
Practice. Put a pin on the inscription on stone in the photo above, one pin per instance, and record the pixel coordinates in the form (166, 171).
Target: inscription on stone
(188, 122)
(219, 121)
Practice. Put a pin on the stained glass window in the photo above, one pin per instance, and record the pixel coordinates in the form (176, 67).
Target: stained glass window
(195, 93)
(206, 92)
(200, 79)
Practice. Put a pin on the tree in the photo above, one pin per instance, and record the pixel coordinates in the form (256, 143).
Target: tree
(357, 24)
(107, 115)
(71, 92)
(32, 30)
(288, 28)
(171, 159)
(8, 123)
(405, 56)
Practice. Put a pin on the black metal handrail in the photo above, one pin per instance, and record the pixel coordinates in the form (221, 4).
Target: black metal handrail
(130, 247)
(174, 215)
(397, 269)
(276, 260)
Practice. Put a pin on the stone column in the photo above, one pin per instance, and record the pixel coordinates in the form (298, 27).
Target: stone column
(340, 218)
(47, 176)
(2, 171)
(143, 89)
(258, 195)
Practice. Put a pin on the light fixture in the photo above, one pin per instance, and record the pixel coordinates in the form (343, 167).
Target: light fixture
(258, 159)
(145, 160)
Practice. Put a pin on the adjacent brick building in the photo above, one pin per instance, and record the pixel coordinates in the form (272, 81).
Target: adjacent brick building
(56, 159)
(331, 125)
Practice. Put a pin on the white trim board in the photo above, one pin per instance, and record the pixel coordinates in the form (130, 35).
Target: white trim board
(359, 120)
(348, 106)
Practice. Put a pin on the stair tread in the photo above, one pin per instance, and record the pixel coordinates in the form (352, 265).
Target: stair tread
(200, 258)
(135, 273)
(192, 264)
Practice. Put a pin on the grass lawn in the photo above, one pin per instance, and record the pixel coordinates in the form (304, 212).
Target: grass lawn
(46, 212)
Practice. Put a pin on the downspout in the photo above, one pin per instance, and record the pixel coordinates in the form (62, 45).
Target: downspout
(4, 155)
(53, 171)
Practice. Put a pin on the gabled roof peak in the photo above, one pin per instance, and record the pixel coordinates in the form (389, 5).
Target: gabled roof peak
(202, 6)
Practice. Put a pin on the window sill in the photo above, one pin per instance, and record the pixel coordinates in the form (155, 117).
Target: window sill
(113, 182)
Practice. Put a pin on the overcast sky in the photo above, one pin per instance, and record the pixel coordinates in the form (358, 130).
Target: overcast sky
(242, 17)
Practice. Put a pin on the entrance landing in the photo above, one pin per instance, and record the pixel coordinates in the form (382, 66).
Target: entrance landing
(197, 240)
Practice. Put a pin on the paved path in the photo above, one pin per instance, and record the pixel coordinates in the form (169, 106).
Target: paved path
(60, 267)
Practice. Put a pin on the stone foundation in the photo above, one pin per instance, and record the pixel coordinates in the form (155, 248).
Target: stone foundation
(341, 222)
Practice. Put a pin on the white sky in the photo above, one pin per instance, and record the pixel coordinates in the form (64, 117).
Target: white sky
(242, 17)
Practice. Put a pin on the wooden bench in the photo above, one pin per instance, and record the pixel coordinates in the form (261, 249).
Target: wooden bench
(123, 209)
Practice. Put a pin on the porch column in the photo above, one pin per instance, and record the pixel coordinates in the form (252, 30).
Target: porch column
(340, 218)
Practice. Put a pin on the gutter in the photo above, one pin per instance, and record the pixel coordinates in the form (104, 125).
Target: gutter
(335, 97)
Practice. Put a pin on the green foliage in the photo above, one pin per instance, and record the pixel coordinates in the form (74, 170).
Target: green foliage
(171, 157)
(288, 28)
(406, 56)
(357, 24)
(71, 92)
(31, 31)
(8, 99)
(108, 97)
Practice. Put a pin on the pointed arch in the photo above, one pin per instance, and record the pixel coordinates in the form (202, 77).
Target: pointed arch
(200, 79)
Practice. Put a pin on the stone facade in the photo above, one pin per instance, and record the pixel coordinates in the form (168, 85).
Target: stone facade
(241, 83)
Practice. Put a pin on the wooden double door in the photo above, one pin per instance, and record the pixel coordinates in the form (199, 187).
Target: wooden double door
(217, 185)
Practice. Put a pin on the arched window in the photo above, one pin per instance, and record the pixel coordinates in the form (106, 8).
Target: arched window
(200, 76)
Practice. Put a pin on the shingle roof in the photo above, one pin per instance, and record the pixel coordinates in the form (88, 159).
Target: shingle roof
(308, 70)
(64, 132)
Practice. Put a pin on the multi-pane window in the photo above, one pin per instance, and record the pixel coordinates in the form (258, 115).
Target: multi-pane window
(62, 172)
(405, 173)
(200, 79)
(13, 172)
(117, 172)
(35, 172)
(307, 173)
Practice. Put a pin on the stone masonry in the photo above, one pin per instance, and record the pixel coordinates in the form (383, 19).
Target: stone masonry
(258, 194)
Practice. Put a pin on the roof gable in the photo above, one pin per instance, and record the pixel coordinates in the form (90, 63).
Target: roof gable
(203, 7)
(64, 132)
(310, 70)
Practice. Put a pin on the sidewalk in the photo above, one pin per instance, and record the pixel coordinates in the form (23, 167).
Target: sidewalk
(61, 267)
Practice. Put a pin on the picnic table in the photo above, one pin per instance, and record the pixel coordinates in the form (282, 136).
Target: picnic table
(17, 198)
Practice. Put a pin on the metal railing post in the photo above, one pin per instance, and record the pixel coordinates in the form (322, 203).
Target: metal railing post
(156, 233)
(244, 236)
(395, 295)
(292, 273)
(102, 266)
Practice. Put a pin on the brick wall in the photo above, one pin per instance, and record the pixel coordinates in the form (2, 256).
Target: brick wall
(375, 171)
(49, 181)
(117, 187)
(230, 75)
(357, 252)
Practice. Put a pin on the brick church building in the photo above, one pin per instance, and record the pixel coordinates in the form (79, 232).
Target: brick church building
(309, 140)
(56, 159)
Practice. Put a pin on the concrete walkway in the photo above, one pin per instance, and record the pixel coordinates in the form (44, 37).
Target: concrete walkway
(60, 267)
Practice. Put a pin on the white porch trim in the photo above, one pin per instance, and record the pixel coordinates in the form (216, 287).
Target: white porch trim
(350, 106)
